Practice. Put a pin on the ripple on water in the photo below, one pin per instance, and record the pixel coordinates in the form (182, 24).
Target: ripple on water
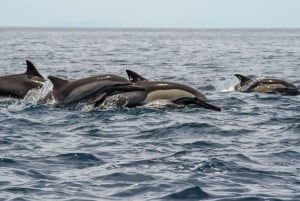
(34, 174)
(287, 155)
(176, 129)
(202, 145)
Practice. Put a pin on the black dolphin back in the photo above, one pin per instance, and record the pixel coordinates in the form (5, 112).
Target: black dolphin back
(57, 82)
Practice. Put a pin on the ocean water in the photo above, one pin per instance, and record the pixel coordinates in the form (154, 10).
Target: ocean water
(249, 151)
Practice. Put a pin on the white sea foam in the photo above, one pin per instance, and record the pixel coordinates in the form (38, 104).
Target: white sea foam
(34, 95)
(229, 89)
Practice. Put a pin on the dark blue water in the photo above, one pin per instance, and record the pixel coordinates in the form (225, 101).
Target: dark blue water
(249, 151)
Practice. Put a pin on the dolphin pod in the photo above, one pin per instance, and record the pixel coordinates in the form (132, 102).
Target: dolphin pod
(134, 91)
(94, 90)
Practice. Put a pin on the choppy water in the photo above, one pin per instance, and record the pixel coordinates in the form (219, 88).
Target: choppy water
(249, 151)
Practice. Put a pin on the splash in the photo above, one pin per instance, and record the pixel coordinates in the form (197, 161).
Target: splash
(114, 101)
(34, 95)
(229, 89)
(87, 108)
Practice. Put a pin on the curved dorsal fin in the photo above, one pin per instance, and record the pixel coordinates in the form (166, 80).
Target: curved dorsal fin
(31, 70)
(134, 77)
(57, 82)
(242, 78)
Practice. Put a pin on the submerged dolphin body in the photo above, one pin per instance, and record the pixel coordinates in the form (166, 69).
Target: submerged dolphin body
(265, 85)
(159, 90)
(18, 85)
(91, 90)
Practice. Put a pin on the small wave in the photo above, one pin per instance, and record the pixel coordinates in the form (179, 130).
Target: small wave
(5, 141)
(11, 104)
(174, 129)
(34, 174)
(202, 144)
(78, 157)
(294, 127)
(75, 160)
(192, 193)
(6, 102)
(208, 87)
(289, 155)
(233, 101)
(244, 158)
(7, 162)
(22, 190)
(190, 64)
(119, 61)
(212, 165)
(126, 177)
(135, 190)
(247, 198)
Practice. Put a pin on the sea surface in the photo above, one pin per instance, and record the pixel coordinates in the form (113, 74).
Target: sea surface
(248, 151)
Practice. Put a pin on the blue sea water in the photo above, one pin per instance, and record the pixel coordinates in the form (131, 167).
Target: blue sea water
(249, 151)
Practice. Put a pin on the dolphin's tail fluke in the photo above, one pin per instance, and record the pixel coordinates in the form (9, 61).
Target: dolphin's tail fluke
(195, 101)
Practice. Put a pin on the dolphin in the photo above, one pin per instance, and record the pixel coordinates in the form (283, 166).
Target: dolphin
(265, 85)
(17, 85)
(90, 90)
(175, 93)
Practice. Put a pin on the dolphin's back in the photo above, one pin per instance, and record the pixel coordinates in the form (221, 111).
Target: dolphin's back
(171, 89)
(18, 85)
(273, 85)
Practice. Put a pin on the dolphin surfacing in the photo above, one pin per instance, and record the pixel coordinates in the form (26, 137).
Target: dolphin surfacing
(90, 90)
(175, 93)
(265, 85)
(18, 85)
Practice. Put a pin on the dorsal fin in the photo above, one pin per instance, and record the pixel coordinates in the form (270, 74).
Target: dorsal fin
(57, 82)
(31, 70)
(242, 78)
(134, 77)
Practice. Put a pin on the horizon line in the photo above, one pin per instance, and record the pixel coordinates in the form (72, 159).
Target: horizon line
(127, 27)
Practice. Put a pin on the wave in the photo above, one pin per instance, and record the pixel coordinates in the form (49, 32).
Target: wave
(73, 160)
